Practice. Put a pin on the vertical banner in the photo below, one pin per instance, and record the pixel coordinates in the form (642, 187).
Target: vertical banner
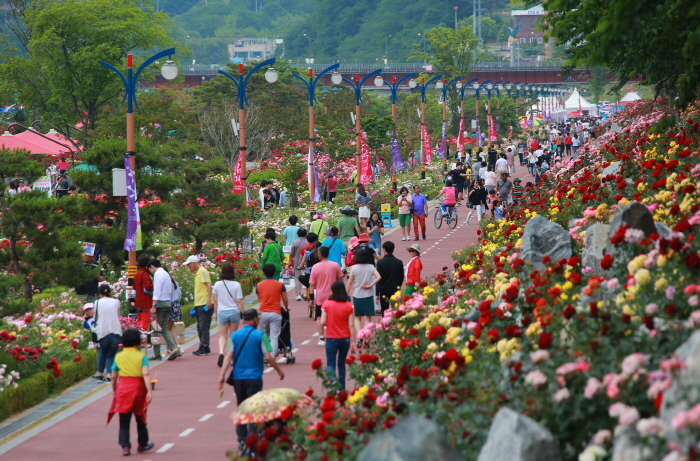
(427, 147)
(237, 179)
(365, 163)
(531, 120)
(441, 152)
(510, 131)
(460, 137)
(478, 134)
(492, 130)
(133, 223)
(396, 159)
(317, 189)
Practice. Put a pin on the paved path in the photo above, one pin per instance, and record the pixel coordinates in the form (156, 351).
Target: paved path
(187, 420)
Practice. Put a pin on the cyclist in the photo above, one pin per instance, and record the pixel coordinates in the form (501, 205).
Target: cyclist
(450, 196)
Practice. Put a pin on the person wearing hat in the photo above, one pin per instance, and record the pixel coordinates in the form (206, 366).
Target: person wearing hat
(319, 224)
(353, 243)
(88, 316)
(517, 192)
(248, 349)
(348, 226)
(109, 330)
(203, 303)
(413, 270)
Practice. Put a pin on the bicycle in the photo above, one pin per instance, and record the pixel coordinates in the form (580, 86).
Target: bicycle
(450, 216)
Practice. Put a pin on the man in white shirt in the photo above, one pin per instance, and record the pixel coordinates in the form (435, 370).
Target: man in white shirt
(162, 292)
(501, 165)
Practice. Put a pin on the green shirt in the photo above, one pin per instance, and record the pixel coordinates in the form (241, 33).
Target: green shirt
(346, 226)
(273, 254)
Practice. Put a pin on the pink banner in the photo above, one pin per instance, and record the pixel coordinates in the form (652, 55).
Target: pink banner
(237, 179)
(510, 132)
(426, 147)
(365, 163)
(492, 130)
(460, 137)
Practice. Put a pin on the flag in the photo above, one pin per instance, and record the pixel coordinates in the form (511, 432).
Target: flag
(396, 159)
(492, 130)
(133, 239)
(442, 145)
(237, 179)
(531, 120)
(460, 137)
(365, 163)
(426, 147)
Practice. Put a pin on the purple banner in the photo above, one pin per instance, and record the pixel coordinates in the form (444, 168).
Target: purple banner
(396, 159)
(442, 145)
(479, 141)
(133, 224)
(317, 189)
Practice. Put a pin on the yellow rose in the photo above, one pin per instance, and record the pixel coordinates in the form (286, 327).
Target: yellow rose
(642, 276)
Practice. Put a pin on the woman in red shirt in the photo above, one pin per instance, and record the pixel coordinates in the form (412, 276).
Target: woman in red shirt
(331, 183)
(413, 270)
(337, 317)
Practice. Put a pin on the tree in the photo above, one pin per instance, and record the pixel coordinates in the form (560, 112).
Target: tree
(597, 82)
(60, 72)
(655, 39)
(35, 255)
(451, 52)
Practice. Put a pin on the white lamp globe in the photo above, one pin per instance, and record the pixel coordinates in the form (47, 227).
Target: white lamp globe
(169, 70)
(336, 78)
(412, 83)
(271, 75)
(378, 80)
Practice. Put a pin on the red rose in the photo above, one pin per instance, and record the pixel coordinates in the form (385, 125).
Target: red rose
(545, 340)
(569, 311)
(316, 364)
(350, 359)
(692, 260)
(368, 358)
(436, 331)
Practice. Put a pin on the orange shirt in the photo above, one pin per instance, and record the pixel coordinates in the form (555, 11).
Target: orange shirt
(337, 317)
(269, 292)
(413, 270)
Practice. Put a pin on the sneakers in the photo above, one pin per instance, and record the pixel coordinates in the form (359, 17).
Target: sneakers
(220, 362)
(199, 353)
(175, 354)
(126, 451)
(423, 237)
(298, 297)
(321, 341)
(416, 239)
(104, 379)
(148, 446)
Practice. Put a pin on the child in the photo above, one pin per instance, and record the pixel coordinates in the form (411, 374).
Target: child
(517, 191)
(450, 196)
(131, 383)
(492, 198)
(88, 316)
(497, 210)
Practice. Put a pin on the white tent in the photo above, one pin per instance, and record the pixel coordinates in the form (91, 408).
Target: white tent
(631, 96)
(575, 102)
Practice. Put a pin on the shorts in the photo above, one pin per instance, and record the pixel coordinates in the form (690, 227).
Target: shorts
(364, 212)
(229, 316)
(460, 188)
(404, 220)
(363, 306)
(317, 312)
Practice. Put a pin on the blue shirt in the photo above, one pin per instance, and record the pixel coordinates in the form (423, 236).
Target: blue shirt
(336, 250)
(498, 211)
(248, 362)
(291, 233)
(419, 202)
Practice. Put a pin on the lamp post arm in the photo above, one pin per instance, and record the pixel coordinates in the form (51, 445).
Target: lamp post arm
(358, 99)
(407, 76)
(269, 62)
(152, 59)
(309, 88)
(376, 72)
(325, 71)
(119, 73)
(240, 96)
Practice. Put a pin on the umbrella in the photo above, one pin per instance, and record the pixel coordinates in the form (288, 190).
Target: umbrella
(268, 405)
(537, 121)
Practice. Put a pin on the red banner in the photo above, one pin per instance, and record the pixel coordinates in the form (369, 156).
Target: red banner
(426, 147)
(492, 130)
(460, 137)
(237, 179)
(365, 163)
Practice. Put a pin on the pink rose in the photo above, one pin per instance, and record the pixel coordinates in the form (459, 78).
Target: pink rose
(693, 415)
(616, 409)
(561, 394)
(612, 391)
(629, 417)
(602, 437)
(680, 420)
(650, 426)
(536, 378)
(583, 366)
(592, 387)
(567, 368)
(539, 356)
(632, 363)
(651, 308)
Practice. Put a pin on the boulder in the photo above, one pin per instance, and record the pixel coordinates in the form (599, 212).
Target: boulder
(636, 215)
(413, 439)
(613, 168)
(514, 437)
(663, 230)
(597, 239)
(685, 390)
(543, 237)
(628, 447)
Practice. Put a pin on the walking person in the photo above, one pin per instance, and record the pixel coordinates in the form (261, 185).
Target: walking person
(363, 278)
(248, 350)
(176, 310)
(490, 179)
(131, 384)
(390, 269)
(501, 165)
(228, 305)
(575, 143)
(420, 210)
(295, 258)
(504, 187)
(161, 308)
(510, 159)
(362, 200)
(531, 162)
(290, 232)
(273, 253)
(319, 224)
(272, 294)
(323, 274)
(331, 184)
(568, 144)
(143, 286)
(375, 230)
(517, 191)
(347, 225)
(336, 316)
(405, 202)
(413, 270)
(203, 304)
(477, 200)
(492, 157)
(109, 331)
(335, 246)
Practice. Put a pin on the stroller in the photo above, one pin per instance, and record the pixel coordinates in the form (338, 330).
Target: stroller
(285, 343)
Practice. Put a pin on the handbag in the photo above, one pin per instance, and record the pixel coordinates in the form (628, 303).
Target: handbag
(230, 379)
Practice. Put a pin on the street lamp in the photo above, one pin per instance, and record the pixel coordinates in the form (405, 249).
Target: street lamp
(311, 87)
(133, 228)
(394, 86)
(357, 86)
(241, 82)
(444, 84)
(424, 130)
(309, 44)
(386, 48)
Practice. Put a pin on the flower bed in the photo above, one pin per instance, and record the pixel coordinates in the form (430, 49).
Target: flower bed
(588, 355)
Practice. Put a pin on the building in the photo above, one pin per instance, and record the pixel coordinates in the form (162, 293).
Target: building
(252, 49)
(526, 21)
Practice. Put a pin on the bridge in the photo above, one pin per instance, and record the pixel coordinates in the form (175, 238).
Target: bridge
(540, 72)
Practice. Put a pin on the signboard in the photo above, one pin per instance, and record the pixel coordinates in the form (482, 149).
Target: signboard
(119, 182)
(473, 124)
(42, 184)
(88, 249)
(386, 208)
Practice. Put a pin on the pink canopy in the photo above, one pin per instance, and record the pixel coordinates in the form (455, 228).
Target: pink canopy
(9, 141)
(576, 113)
(49, 144)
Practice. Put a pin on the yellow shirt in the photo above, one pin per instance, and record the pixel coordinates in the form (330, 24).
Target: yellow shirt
(201, 294)
(129, 362)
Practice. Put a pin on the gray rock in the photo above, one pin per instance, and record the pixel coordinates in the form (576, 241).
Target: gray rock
(628, 447)
(543, 237)
(613, 168)
(413, 439)
(636, 215)
(685, 391)
(597, 239)
(514, 437)
(663, 230)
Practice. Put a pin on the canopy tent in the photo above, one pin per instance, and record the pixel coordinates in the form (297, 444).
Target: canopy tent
(10, 141)
(576, 102)
(630, 97)
(49, 143)
(576, 113)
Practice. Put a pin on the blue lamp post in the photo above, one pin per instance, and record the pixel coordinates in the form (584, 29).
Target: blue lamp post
(169, 72)
(394, 86)
(444, 85)
(311, 87)
(357, 86)
(241, 82)
(462, 87)
(423, 86)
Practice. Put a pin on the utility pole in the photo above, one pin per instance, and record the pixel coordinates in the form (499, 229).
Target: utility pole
(456, 8)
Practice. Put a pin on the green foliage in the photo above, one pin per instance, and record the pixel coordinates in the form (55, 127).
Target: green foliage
(378, 131)
(598, 80)
(452, 52)
(654, 39)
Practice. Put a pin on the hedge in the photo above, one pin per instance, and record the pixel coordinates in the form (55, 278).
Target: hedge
(34, 390)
